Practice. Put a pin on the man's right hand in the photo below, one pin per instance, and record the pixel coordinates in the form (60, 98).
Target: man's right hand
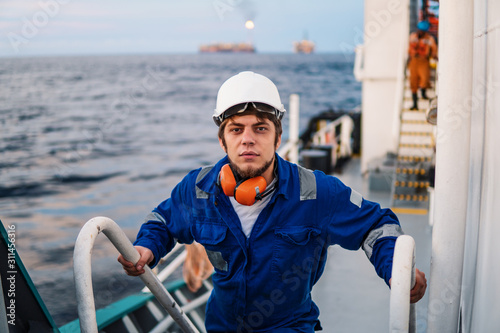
(146, 257)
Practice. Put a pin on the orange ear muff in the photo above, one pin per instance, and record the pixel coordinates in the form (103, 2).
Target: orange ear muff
(227, 180)
(250, 190)
(245, 192)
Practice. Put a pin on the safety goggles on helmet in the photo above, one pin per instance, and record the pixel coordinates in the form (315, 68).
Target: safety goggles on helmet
(240, 108)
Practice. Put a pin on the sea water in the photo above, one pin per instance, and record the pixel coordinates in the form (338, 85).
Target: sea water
(111, 135)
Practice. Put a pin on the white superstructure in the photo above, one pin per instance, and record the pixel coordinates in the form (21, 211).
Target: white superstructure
(463, 281)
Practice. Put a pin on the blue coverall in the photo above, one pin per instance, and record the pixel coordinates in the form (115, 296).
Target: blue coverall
(263, 283)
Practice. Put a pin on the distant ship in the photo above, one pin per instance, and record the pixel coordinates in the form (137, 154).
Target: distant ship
(227, 48)
(303, 46)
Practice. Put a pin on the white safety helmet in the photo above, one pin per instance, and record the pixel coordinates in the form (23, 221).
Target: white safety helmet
(244, 88)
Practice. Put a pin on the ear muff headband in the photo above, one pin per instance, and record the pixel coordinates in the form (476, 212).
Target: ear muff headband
(246, 191)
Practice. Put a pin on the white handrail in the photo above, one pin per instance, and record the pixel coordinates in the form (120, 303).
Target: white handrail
(402, 315)
(359, 62)
(163, 325)
(172, 267)
(290, 149)
(343, 140)
(83, 274)
(293, 128)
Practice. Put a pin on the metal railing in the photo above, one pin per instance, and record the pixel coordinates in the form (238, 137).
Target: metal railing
(290, 149)
(341, 143)
(402, 315)
(328, 135)
(172, 266)
(83, 274)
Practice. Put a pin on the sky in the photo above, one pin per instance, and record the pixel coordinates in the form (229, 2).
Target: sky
(82, 27)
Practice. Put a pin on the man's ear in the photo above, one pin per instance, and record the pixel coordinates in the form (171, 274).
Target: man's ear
(222, 145)
(278, 143)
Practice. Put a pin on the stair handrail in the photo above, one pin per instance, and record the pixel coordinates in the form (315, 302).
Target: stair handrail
(83, 274)
(402, 316)
(172, 266)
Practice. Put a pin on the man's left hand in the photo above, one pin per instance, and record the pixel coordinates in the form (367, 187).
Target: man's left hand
(418, 290)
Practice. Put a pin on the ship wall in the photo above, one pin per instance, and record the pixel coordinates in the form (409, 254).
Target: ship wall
(386, 30)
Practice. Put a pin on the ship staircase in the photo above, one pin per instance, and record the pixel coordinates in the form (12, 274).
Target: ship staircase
(412, 182)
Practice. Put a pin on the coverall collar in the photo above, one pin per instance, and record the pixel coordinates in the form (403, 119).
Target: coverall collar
(209, 183)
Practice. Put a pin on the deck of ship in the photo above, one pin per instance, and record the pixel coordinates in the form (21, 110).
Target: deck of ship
(350, 295)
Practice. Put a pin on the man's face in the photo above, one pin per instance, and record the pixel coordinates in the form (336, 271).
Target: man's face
(249, 144)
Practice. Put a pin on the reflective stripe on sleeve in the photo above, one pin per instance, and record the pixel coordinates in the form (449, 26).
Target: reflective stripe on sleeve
(356, 198)
(155, 217)
(387, 230)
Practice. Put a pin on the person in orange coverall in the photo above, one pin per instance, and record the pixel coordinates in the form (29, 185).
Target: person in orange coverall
(422, 47)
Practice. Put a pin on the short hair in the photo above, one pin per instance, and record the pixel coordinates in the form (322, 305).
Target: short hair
(260, 115)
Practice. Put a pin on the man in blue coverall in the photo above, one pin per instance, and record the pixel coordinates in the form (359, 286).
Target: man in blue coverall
(265, 223)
